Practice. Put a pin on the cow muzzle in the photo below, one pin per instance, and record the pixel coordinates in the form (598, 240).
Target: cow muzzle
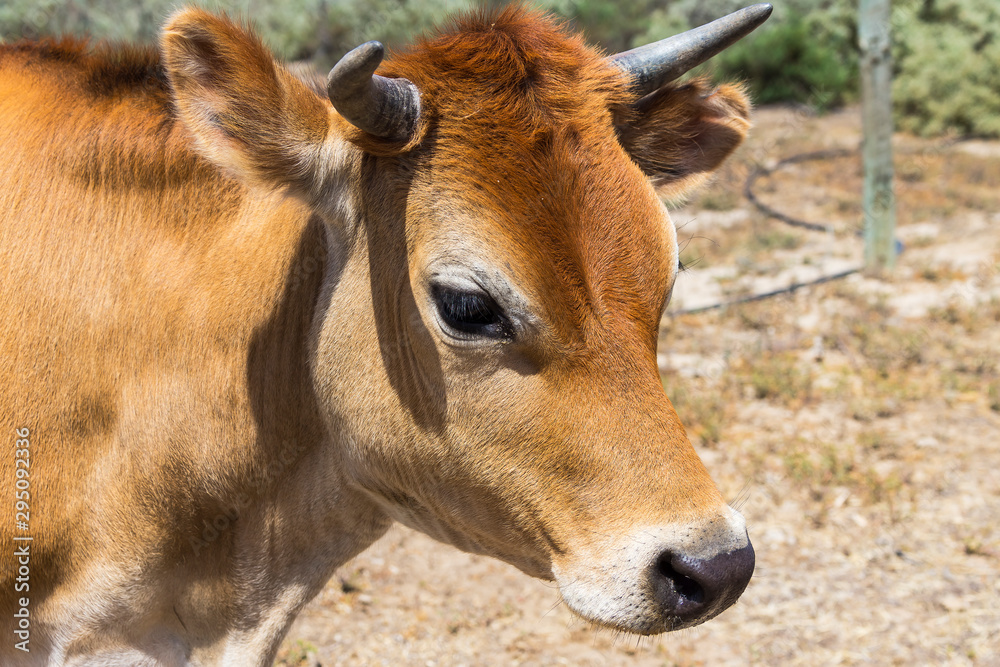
(659, 579)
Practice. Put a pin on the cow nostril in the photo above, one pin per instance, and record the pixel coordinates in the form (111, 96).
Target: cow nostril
(691, 590)
(686, 588)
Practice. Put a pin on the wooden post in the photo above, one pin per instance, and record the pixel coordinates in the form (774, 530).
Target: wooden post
(876, 105)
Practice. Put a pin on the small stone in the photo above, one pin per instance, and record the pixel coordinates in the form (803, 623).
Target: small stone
(953, 603)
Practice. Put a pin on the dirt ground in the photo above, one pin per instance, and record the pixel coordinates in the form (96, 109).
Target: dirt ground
(856, 424)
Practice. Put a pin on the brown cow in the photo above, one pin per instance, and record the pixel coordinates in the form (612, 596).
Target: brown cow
(245, 328)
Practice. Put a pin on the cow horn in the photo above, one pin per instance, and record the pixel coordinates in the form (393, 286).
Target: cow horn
(384, 107)
(653, 65)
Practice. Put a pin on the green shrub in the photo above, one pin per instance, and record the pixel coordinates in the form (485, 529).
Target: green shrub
(285, 25)
(947, 62)
(795, 61)
(320, 30)
(946, 52)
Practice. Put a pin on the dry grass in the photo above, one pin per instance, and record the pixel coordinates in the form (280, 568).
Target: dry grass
(856, 423)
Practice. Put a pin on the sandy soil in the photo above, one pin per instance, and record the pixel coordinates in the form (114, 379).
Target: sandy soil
(855, 424)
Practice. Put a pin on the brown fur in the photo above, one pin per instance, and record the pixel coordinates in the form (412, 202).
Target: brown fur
(217, 311)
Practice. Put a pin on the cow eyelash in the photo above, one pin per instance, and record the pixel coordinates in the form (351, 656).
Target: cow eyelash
(470, 313)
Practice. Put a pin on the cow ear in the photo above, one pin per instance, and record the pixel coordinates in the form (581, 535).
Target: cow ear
(680, 134)
(247, 113)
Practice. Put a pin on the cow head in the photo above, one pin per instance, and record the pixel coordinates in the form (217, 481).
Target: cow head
(499, 261)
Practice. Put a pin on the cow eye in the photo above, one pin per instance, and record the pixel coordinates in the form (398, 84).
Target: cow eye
(471, 313)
